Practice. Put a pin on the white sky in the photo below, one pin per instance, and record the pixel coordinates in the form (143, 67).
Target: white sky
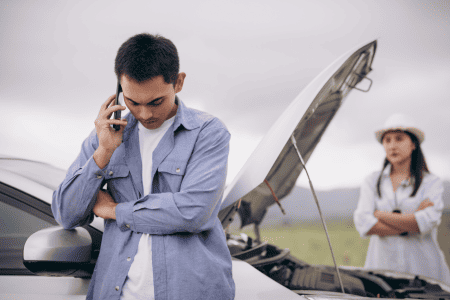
(245, 62)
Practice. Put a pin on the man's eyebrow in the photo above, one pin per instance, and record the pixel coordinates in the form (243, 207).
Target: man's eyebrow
(159, 98)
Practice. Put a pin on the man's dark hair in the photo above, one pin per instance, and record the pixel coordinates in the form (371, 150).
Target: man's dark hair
(145, 56)
(417, 168)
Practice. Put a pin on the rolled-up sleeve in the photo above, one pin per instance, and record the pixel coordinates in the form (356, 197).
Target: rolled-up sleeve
(430, 217)
(363, 215)
(195, 207)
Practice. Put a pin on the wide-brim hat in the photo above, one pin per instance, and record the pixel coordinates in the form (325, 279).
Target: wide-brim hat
(399, 122)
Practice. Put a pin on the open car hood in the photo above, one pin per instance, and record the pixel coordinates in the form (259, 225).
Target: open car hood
(275, 160)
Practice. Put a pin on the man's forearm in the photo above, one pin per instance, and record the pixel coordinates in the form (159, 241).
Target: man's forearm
(102, 156)
(73, 198)
(105, 207)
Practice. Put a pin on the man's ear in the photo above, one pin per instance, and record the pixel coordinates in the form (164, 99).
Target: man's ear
(178, 86)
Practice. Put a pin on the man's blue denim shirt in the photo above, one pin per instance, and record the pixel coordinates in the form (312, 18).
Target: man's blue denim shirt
(190, 256)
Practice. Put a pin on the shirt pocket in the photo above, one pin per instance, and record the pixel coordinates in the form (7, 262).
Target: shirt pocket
(170, 176)
(119, 183)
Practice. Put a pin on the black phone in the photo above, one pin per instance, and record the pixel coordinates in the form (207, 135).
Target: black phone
(117, 114)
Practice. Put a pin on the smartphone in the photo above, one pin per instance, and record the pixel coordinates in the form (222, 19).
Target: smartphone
(117, 114)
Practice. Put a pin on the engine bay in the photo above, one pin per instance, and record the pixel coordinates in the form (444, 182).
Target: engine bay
(306, 279)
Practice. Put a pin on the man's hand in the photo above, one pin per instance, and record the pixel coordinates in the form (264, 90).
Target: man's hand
(424, 204)
(105, 207)
(108, 138)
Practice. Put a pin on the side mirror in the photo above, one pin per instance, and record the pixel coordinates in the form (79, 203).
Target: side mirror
(55, 251)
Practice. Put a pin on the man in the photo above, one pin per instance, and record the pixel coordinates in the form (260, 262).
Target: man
(165, 171)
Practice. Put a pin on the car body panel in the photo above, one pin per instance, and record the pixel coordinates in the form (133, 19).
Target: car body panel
(26, 185)
(43, 288)
(20, 179)
(307, 117)
(250, 284)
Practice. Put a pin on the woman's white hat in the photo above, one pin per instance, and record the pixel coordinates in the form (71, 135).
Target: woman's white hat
(399, 122)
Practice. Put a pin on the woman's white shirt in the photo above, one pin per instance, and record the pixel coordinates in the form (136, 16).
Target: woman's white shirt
(417, 254)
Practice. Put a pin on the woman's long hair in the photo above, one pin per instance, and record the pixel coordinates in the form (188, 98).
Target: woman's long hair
(417, 167)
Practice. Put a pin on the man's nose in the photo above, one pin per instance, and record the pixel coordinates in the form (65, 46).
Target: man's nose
(145, 113)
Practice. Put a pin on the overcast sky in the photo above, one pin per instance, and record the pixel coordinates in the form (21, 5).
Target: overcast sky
(245, 62)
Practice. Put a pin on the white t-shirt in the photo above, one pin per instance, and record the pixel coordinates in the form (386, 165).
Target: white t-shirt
(139, 282)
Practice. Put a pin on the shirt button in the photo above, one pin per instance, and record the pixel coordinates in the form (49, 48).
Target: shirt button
(129, 258)
(99, 176)
(178, 170)
(117, 288)
(110, 173)
(128, 225)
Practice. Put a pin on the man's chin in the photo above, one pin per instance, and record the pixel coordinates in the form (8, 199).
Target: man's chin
(151, 125)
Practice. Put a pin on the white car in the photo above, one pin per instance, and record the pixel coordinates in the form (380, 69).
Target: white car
(40, 260)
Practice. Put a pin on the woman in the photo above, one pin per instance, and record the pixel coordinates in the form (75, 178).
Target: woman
(400, 207)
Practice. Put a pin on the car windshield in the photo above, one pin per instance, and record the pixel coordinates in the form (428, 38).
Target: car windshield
(42, 173)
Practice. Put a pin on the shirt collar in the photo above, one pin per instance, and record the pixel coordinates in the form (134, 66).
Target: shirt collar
(184, 117)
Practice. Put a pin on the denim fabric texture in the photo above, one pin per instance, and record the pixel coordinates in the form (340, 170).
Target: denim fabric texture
(190, 256)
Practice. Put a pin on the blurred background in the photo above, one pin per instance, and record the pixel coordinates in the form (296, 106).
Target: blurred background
(245, 62)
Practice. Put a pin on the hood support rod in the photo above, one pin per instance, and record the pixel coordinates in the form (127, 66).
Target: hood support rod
(275, 198)
(320, 212)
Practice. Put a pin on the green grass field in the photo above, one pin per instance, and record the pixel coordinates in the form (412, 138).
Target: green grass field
(308, 242)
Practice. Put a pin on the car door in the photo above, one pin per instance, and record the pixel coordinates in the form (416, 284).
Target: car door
(20, 216)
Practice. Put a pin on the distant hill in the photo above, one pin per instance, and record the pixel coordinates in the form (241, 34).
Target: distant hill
(335, 204)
